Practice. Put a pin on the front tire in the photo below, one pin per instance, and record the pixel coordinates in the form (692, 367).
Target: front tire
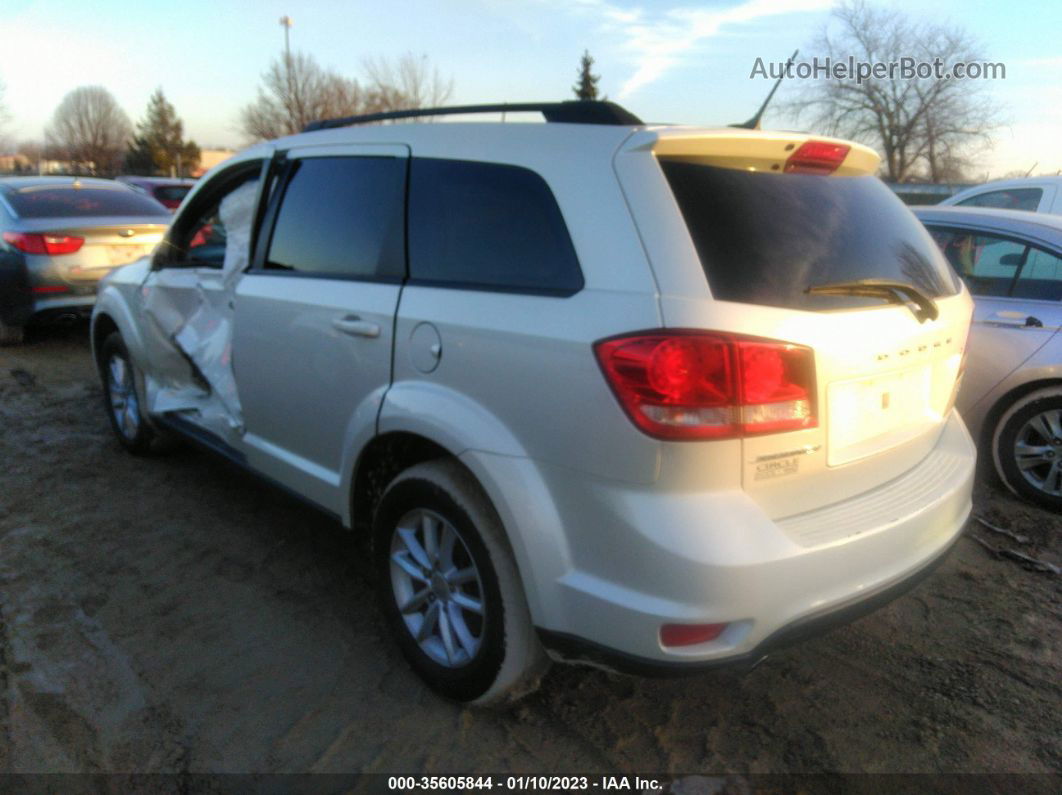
(449, 588)
(1027, 448)
(121, 398)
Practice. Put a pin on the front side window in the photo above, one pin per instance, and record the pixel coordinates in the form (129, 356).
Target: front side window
(205, 242)
(199, 238)
(488, 226)
(341, 217)
(1012, 199)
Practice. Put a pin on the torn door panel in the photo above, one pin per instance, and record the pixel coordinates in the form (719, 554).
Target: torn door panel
(192, 315)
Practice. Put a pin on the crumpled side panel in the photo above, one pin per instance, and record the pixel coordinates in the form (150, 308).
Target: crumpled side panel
(198, 322)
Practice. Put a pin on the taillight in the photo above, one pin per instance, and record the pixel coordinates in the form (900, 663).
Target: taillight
(44, 244)
(689, 634)
(817, 157)
(687, 384)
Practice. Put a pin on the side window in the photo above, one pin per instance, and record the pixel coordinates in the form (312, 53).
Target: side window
(987, 263)
(341, 217)
(488, 225)
(198, 239)
(1040, 278)
(1001, 267)
(1012, 199)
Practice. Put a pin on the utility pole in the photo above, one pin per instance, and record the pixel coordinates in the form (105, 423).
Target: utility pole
(286, 22)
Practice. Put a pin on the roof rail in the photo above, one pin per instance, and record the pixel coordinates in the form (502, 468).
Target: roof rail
(569, 111)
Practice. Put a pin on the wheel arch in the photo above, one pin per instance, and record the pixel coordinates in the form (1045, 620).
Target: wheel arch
(1008, 399)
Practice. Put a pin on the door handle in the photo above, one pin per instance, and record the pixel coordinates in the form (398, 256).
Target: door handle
(1014, 320)
(355, 326)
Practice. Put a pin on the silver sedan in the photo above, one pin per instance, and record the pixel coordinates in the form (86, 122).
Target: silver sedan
(1011, 395)
(59, 236)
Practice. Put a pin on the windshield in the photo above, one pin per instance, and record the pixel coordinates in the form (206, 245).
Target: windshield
(765, 238)
(69, 202)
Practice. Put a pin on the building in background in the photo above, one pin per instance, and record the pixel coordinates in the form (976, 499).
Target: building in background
(208, 158)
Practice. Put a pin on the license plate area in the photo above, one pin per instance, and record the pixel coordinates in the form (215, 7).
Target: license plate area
(872, 414)
(123, 255)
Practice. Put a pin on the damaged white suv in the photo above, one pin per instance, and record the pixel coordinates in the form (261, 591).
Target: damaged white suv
(658, 398)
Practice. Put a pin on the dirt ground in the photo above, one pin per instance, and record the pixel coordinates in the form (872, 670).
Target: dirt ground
(174, 614)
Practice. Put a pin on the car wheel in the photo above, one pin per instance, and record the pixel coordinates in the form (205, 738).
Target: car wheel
(11, 335)
(1027, 448)
(121, 398)
(449, 587)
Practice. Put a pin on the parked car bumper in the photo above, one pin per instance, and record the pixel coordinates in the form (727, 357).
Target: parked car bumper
(708, 558)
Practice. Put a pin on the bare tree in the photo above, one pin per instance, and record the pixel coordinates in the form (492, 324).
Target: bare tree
(926, 127)
(409, 82)
(90, 131)
(296, 90)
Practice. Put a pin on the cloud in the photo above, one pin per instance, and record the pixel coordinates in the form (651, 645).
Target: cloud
(656, 40)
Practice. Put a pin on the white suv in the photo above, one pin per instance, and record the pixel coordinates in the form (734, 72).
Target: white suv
(659, 398)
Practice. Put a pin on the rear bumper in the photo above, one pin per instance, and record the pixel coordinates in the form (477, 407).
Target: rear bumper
(572, 649)
(19, 305)
(640, 557)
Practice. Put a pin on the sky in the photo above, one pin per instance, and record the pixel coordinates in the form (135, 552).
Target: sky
(683, 61)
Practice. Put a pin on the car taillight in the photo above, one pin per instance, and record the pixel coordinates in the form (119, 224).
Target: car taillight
(817, 157)
(687, 385)
(44, 244)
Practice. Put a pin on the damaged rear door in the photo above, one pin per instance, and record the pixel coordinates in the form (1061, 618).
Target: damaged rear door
(315, 313)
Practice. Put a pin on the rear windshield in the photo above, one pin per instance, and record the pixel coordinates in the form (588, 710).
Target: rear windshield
(70, 202)
(766, 238)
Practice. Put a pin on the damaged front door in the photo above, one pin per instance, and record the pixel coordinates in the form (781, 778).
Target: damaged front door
(187, 301)
(315, 313)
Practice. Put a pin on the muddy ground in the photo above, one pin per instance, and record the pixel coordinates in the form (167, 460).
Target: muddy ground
(174, 614)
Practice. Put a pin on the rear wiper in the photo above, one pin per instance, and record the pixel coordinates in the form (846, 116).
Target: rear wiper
(894, 292)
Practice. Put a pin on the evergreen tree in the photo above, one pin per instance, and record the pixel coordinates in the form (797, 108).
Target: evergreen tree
(586, 86)
(159, 147)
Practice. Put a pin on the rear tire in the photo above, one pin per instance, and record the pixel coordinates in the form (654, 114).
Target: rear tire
(121, 398)
(450, 590)
(11, 335)
(1027, 448)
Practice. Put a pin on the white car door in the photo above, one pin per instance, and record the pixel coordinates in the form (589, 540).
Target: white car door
(315, 314)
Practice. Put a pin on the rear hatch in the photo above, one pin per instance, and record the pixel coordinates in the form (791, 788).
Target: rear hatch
(784, 238)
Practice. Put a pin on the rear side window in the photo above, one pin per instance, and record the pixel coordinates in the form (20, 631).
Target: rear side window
(997, 266)
(490, 226)
(341, 217)
(765, 238)
(1013, 199)
(70, 202)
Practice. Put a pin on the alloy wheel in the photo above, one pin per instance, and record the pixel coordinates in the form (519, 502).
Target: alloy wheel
(121, 389)
(1038, 451)
(437, 588)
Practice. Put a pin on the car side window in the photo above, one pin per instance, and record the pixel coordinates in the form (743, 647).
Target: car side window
(341, 217)
(197, 239)
(488, 226)
(1040, 277)
(992, 265)
(1010, 199)
(987, 263)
